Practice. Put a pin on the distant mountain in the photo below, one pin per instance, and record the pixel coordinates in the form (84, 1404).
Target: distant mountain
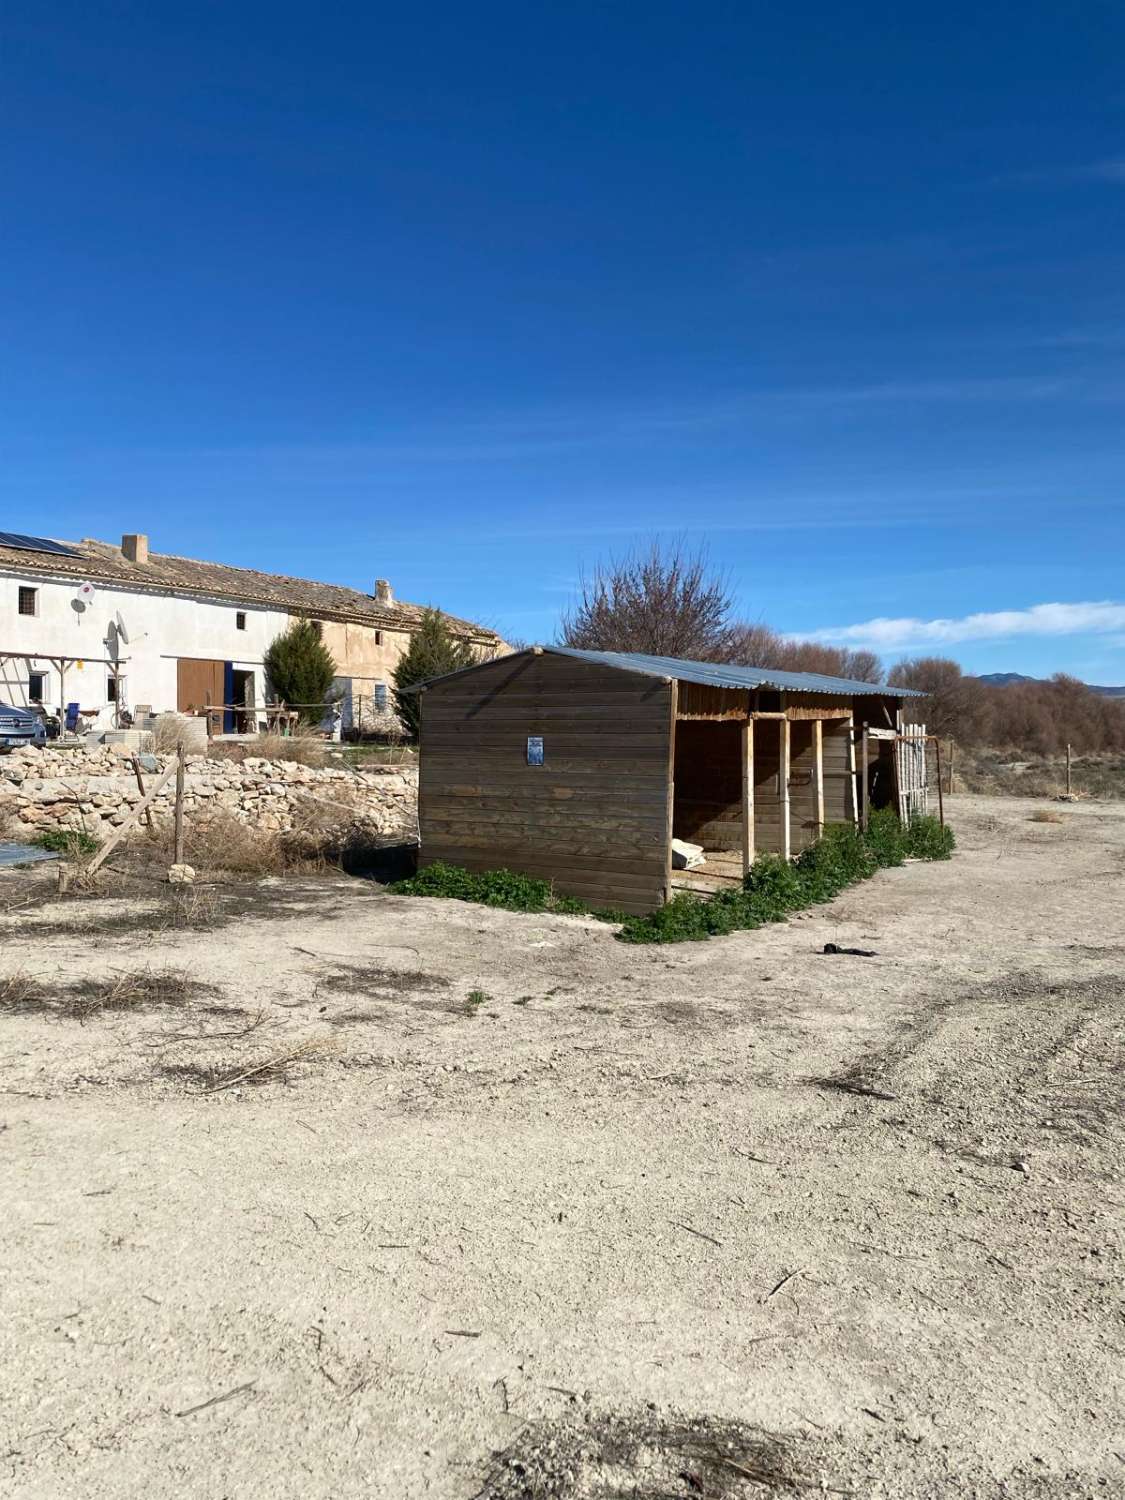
(1004, 679)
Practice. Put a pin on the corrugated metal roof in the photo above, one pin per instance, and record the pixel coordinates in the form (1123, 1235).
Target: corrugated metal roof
(723, 675)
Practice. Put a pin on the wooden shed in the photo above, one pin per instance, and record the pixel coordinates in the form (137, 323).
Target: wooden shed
(581, 767)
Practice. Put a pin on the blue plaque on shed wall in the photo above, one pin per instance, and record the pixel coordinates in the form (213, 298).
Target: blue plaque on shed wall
(535, 749)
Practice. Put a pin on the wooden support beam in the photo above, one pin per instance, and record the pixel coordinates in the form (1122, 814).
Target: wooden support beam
(141, 789)
(747, 795)
(852, 783)
(783, 778)
(178, 855)
(864, 816)
(673, 705)
(818, 754)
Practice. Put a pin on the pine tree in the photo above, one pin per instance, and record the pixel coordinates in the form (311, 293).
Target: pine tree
(300, 668)
(433, 651)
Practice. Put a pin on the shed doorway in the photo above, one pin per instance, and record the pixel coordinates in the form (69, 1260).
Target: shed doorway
(709, 795)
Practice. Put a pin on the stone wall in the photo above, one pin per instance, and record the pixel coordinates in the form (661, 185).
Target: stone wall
(93, 788)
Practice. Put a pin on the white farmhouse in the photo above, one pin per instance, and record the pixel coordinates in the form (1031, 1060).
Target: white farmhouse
(116, 629)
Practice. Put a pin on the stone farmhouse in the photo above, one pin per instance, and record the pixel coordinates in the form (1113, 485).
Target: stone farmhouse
(123, 629)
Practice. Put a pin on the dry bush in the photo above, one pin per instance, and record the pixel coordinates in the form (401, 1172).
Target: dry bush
(170, 731)
(221, 842)
(307, 747)
(1045, 815)
(191, 906)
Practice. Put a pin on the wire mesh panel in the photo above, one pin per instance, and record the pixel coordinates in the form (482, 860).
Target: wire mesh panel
(913, 788)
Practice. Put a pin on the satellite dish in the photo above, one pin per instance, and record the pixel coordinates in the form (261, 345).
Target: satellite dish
(122, 633)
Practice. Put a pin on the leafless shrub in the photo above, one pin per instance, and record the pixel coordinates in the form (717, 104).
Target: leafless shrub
(220, 841)
(1045, 815)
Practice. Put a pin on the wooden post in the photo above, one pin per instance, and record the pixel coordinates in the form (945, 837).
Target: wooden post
(940, 802)
(673, 706)
(783, 758)
(852, 781)
(115, 838)
(141, 786)
(178, 854)
(62, 698)
(818, 752)
(747, 796)
(866, 810)
(1068, 768)
(952, 752)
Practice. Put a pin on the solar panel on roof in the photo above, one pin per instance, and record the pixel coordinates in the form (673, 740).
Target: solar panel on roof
(35, 544)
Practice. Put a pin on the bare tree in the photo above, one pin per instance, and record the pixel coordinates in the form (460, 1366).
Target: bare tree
(761, 646)
(949, 693)
(665, 601)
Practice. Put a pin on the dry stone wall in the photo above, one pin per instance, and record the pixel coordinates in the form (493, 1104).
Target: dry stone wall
(93, 788)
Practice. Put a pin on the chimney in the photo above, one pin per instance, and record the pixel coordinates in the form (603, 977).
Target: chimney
(134, 546)
(383, 594)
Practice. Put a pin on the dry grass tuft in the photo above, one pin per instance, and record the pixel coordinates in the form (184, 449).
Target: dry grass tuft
(213, 1078)
(1045, 815)
(170, 732)
(20, 991)
(190, 906)
(126, 990)
(306, 746)
(609, 1457)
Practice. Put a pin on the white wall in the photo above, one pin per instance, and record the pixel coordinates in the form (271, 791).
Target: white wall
(162, 627)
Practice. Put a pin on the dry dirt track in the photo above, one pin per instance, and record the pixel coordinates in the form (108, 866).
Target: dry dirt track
(623, 1186)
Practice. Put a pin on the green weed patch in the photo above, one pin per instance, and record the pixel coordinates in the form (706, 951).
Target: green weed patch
(773, 889)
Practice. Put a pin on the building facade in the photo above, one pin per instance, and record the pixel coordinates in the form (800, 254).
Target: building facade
(123, 629)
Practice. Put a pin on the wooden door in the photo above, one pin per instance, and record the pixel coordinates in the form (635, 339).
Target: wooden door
(198, 683)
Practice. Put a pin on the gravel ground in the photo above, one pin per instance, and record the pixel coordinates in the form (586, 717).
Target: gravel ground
(510, 1209)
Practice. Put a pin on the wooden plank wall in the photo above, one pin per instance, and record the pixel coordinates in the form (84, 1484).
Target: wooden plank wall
(767, 800)
(803, 829)
(708, 804)
(594, 818)
(839, 790)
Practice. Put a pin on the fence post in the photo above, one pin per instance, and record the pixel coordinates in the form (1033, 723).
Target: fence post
(1068, 768)
(178, 852)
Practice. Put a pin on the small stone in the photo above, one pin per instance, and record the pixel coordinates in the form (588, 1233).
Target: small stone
(180, 875)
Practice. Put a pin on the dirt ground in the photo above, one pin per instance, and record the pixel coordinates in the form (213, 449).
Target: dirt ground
(532, 1213)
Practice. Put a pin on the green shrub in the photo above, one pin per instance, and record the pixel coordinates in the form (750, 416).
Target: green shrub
(506, 888)
(772, 889)
(886, 838)
(72, 842)
(927, 839)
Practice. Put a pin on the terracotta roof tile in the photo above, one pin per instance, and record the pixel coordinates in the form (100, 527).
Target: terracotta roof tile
(104, 562)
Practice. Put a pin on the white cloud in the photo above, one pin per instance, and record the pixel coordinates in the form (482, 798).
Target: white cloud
(1092, 618)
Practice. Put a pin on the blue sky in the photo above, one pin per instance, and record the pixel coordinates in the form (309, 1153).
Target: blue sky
(468, 297)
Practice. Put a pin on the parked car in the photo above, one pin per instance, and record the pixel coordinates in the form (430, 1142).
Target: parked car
(20, 726)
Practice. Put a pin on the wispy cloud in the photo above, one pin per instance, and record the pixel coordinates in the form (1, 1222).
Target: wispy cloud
(883, 634)
(1111, 170)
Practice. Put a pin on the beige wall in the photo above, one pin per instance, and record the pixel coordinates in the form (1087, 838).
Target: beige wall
(363, 651)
